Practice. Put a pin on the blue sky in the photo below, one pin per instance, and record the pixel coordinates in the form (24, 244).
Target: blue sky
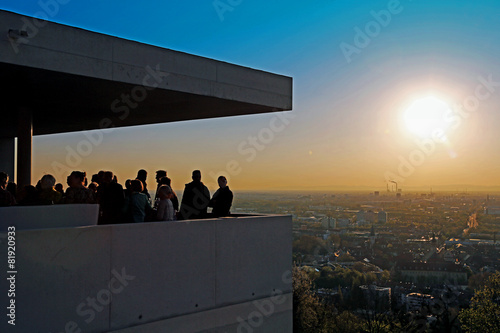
(347, 128)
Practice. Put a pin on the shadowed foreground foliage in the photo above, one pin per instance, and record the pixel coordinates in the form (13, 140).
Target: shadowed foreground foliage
(312, 314)
(483, 315)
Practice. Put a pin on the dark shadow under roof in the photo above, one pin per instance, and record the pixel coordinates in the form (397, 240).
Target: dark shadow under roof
(75, 80)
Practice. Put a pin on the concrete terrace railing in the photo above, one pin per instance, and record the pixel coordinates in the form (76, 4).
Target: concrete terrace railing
(219, 275)
(48, 216)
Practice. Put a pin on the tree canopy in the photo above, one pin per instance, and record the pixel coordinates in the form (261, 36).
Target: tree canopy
(483, 315)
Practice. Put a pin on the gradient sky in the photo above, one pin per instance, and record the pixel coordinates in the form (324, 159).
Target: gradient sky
(348, 126)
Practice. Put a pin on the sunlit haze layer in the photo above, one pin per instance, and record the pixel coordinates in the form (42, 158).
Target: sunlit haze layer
(384, 92)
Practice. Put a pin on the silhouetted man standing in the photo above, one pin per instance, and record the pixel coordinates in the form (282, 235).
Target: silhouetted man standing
(222, 199)
(159, 175)
(195, 199)
(111, 197)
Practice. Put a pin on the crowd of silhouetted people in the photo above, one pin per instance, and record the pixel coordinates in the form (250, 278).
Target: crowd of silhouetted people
(122, 205)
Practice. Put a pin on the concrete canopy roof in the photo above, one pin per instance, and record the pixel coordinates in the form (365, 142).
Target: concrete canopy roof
(73, 80)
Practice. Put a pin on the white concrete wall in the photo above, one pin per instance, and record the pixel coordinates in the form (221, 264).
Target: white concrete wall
(158, 271)
(71, 50)
(269, 315)
(48, 216)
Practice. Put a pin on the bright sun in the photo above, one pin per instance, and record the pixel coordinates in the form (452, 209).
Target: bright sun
(426, 117)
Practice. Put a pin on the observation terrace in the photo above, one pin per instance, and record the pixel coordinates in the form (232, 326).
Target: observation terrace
(215, 275)
(229, 274)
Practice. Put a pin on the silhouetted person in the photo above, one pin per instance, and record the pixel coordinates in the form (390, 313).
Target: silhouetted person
(195, 199)
(28, 196)
(128, 188)
(6, 198)
(96, 178)
(175, 201)
(142, 175)
(222, 199)
(159, 175)
(136, 206)
(47, 194)
(77, 192)
(165, 211)
(59, 188)
(93, 187)
(111, 198)
(12, 188)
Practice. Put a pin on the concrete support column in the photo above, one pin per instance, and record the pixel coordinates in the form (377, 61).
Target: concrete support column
(24, 146)
(7, 157)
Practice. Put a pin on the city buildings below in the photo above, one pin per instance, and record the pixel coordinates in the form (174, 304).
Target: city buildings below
(329, 223)
(416, 301)
(492, 210)
(433, 273)
(377, 298)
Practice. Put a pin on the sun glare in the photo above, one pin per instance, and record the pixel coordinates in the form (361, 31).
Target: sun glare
(426, 117)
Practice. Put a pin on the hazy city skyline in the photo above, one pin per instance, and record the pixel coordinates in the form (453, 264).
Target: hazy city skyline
(365, 78)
